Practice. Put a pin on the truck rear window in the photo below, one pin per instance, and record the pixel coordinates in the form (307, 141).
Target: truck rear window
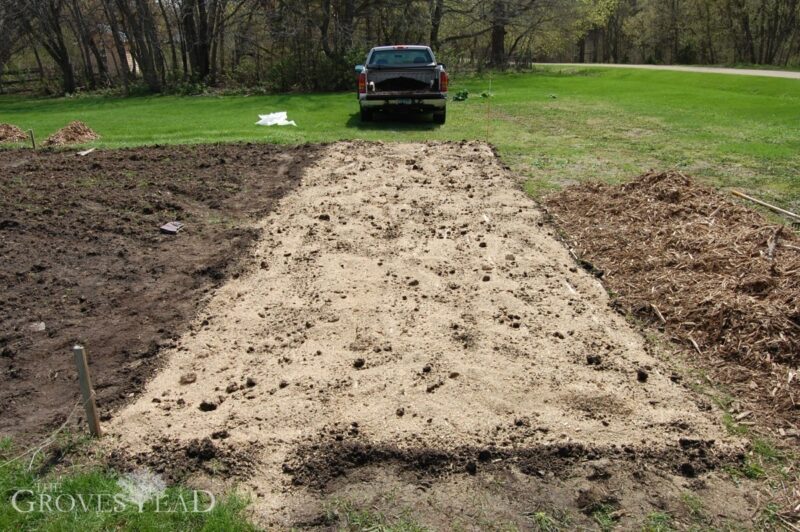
(400, 57)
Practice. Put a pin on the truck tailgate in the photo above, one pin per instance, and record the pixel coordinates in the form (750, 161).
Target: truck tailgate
(399, 80)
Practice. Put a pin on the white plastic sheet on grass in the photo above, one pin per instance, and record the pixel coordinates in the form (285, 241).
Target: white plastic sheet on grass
(275, 119)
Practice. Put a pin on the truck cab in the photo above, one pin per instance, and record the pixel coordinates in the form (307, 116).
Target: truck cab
(402, 78)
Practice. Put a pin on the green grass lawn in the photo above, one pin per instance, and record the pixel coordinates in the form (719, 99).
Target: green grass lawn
(553, 126)
(88, 498)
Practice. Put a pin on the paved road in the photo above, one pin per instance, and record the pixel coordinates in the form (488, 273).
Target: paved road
(711, 70)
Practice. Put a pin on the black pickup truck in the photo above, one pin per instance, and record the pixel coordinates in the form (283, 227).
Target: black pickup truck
(402, 78)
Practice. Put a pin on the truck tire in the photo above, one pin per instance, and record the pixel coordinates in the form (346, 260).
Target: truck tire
(439, 117)
(366, 114)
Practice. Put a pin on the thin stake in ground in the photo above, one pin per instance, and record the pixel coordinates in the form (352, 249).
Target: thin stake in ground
(87, 391)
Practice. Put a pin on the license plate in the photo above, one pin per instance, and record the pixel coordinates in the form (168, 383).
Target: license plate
(404, 101)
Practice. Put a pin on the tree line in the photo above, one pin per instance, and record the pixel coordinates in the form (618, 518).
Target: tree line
(280, 45)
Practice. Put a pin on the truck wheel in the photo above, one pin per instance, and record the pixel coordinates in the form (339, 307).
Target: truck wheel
(439, 117)
(366, 114)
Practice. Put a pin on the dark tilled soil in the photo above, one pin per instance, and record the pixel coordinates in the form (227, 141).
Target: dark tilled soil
(176, 461)
(338, 454)
(503, 488)
(84, 261)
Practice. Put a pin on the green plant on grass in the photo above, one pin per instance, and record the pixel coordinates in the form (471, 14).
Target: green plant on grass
(5, 444)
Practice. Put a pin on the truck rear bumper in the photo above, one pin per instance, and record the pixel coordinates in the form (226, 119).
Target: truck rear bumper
(427, 102)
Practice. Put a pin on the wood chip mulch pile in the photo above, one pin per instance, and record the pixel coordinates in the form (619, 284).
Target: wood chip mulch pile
(11, 133)
(74, 133)
(716, 276)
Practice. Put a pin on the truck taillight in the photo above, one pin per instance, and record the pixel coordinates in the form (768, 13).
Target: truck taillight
(443, 80)
(362, 83)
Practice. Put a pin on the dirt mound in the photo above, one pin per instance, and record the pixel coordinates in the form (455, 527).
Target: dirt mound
(408, 303)
(716, 276)
(11, 133)
(318, 463)
(176, 460)
(74, 133)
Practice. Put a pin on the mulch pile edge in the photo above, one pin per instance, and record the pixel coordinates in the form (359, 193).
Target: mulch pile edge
(12, 133)
(73, 133)
(716, 277)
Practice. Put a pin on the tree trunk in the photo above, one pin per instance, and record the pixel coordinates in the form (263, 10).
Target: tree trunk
(498, 36)
(38, 62)
(141, 31)
(184, 50)
(170, 39)
(194, 14)
(44, 22)
(437, 7)
(81, 32)
(122, 55)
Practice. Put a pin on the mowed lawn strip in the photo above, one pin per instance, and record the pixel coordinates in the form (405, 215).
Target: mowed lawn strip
(556, 125)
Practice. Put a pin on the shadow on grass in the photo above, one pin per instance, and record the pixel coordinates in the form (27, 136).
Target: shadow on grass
(388, 121)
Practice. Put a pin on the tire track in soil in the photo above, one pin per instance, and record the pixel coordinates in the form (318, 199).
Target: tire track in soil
(409, 311)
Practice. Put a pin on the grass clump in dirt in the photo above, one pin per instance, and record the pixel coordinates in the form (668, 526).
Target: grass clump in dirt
(658, 522)
(694, 505)
(763, 461)
(554, 521)
(605, 515)
(732, 427)
(346, 516)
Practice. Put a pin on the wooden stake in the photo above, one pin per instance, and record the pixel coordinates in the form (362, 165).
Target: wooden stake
(765, 204)
(489, 108)
(87, 391)
(33, 138)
